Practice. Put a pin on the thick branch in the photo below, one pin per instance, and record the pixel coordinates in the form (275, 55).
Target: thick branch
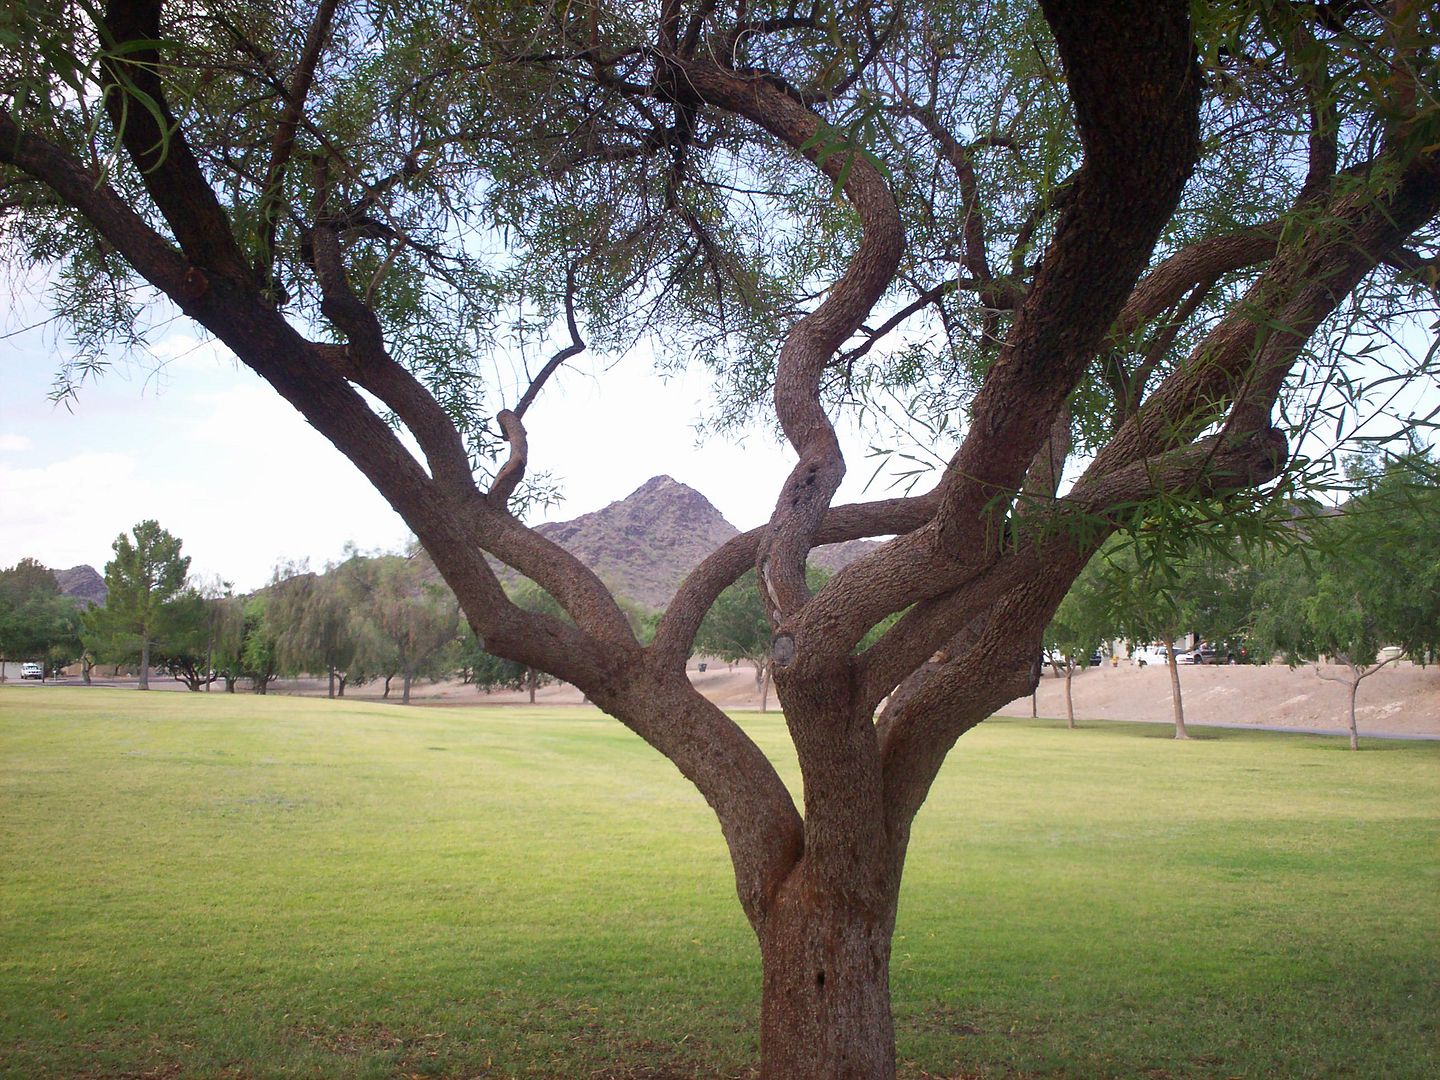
(156, 144)
(812, 342)
(1135, 92)
(375, 370)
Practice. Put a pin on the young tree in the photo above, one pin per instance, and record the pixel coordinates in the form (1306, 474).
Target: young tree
(146, 583)
(1081, 624)
(1142, 228)
(1370, 579)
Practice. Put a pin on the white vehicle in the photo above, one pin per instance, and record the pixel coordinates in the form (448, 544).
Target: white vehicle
(1150, 654)
(32, 671)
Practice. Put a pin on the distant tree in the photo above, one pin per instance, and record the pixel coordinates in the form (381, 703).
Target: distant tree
(258, 660)
(1082, 622)
(145, 579)
(183, 643)
(37, 621)
(409, 622)
(1146, 591)
(1368, 578)
(486, 671)
(313, 623)
(737, 627)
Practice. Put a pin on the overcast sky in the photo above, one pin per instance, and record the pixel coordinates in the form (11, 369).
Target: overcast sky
(207, 449)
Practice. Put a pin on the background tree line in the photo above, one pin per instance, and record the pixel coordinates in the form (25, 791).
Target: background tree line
(1358, 587)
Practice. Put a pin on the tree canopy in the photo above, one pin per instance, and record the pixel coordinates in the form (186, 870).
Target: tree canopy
(1149, 248)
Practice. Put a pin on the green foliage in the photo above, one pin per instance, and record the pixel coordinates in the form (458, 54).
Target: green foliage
(1371, 577)
(147, 600)
(259, 656)
(36, 620)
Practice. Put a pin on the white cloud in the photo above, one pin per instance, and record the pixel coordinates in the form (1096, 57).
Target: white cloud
(14, 444)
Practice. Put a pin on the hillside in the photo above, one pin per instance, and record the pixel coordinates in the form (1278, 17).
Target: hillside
(643, 545)
(84, 583)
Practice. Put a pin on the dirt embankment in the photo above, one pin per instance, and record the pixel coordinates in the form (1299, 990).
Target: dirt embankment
(1400, 699)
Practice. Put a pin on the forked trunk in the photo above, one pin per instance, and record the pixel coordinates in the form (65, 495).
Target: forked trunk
(825, 1001)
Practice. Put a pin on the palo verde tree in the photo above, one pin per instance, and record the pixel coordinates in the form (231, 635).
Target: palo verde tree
(1159, 233)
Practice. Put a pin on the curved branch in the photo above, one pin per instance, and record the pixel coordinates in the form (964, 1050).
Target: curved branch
(576, 346)
(676, 632)
(813, 340)
(374, 369)
(513, 471)
(284, 142)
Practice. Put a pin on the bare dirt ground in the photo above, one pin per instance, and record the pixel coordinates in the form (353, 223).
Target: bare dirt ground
(1402, 699)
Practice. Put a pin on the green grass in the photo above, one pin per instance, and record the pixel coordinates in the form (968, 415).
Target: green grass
(272, 887)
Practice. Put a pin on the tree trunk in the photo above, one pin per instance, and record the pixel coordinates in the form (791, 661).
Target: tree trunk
(405, 689)
(1355, 677)
(825, 999)
(532, 681)
(1069, 697)
(1180, 732)
(386, 694)
(341, 680)
(765, 687)
(144, 664)
(332, 683)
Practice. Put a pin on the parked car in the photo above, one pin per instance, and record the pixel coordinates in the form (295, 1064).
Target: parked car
(32, 671)
(1150, 654)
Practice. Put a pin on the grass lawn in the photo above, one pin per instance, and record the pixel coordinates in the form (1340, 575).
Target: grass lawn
(208, 885)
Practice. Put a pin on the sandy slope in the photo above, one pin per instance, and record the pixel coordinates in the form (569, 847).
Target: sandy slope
(1399, 700)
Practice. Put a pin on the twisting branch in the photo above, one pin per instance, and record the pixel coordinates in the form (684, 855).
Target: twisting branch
(576, 346)
(812, 342)
(284, 142)
(372, 367)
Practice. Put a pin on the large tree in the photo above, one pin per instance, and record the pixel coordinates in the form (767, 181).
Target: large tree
(146, 593)
(1151, 230)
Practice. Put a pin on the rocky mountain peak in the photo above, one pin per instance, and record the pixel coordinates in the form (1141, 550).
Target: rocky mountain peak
(84, 583)
(646, 543)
